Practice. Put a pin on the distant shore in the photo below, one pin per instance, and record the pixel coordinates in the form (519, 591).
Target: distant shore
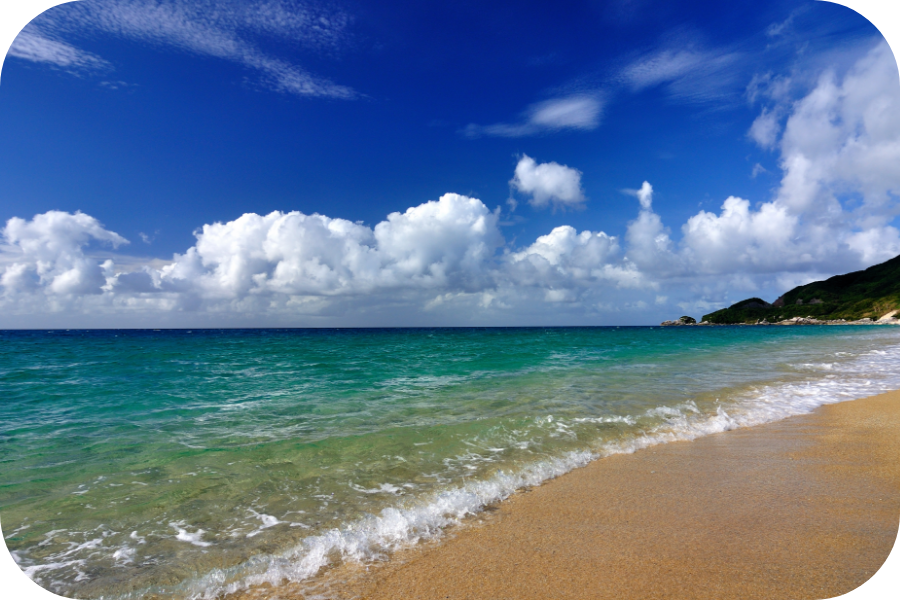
(794, 321)
(806, 507)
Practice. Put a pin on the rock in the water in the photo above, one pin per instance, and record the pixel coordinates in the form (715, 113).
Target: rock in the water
(685, 320)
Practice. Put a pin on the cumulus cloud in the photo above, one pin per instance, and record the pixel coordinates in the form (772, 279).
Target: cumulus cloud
(739, 238)
(548, 183)
(439, 255)
(439, 243)
(875, 245)
(436, 245)
(644, 195)
(649, 244)
(47, 253)
(565, 262)
(838, 150)
(845, 135)
(839, 191)
(224, 30)
(838, 145)
(579, 111)
(832, 212)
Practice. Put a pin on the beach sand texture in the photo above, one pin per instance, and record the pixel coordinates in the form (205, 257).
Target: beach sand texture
(807, 507)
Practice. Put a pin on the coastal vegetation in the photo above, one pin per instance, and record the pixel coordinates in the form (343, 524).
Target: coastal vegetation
(870, 293)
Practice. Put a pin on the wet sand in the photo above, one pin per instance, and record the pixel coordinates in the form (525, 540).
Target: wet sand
(807, 507)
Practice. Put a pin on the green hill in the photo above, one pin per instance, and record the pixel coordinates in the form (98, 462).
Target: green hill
(869, 293)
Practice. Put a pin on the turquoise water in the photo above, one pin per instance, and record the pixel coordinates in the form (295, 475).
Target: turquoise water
(191, 463)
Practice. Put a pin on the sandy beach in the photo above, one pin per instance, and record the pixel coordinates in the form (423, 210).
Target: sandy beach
(807, 507)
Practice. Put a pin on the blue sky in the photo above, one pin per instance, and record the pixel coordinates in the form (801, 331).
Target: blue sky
(512, 140)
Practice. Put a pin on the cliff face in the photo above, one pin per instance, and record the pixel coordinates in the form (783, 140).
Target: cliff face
(870, 293)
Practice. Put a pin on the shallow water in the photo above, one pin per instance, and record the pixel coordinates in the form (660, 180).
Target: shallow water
(190, 463)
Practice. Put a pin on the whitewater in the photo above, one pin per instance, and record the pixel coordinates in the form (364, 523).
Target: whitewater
(189, 464)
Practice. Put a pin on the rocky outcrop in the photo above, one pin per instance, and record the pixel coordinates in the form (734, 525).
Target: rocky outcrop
(891, 318)
(685, 320)
(888, 319)
(802, 321)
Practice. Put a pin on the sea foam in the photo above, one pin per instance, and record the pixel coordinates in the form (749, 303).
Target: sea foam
(376, 537)
(477, 472)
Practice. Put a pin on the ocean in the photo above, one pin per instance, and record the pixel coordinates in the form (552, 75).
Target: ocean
(192, 463)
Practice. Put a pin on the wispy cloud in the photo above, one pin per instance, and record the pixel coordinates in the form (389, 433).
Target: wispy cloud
(581, 111)
(757, 170)
(777, 29)
(32, 45)
(690, 74)
(787, 27)
(228, 31)
(448, 259)
(686, 71)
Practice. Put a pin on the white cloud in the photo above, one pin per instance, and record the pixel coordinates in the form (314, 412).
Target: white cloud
(765, 129)
(644, 195)
(47, 253)
(565, 248)
(580, 111)
(440, 257)
(662, 66)
(839, 191)
(443, 244)
(565, 258)
(766, 86)
(548, 183)
(875, 245)
(777, 29)
(576, 112)
(831, 213)
(739, 239)
(844, 136)
(33, 46)
(447, 261)
(216, 29)
(649, 244)
(689, 74)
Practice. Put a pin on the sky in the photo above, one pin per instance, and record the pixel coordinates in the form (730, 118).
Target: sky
(328, 164)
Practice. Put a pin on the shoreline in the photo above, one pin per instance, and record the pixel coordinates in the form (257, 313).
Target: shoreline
(889, 320)
(805, 507)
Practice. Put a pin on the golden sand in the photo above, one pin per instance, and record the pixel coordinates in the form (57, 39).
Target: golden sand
(807, 507)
